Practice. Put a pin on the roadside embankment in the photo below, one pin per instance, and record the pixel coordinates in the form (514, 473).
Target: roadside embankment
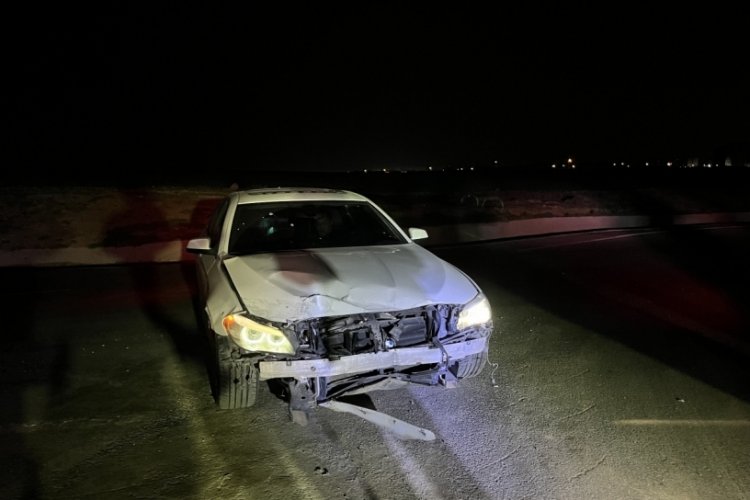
(93, 225)
(174, 251)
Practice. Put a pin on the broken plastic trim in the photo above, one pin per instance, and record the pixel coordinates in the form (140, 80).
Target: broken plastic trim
(403, 430)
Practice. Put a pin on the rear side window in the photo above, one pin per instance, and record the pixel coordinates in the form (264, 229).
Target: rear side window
(273, 227)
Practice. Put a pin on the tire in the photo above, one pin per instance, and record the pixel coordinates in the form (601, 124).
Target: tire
(235, 381)
(471, 366)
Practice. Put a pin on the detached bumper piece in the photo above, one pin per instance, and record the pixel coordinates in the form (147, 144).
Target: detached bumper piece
(402, 430)
(400, 358)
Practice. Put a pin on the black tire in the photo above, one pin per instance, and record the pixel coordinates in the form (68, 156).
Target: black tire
(471, 366)
(235, 381)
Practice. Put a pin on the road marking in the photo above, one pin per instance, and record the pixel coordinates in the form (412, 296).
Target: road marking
(595, 240)
(421, 485)
(683, 423)
(633, 234)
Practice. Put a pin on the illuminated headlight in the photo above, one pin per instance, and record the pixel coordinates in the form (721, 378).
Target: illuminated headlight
(476, 312)
(253, 336)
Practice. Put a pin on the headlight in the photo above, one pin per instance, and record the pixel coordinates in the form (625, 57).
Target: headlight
(253, 336)
(474, 313)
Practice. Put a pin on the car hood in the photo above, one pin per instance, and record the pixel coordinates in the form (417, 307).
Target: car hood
(291, 286)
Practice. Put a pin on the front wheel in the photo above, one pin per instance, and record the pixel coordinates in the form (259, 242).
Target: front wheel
(235, 380)
(472, 365)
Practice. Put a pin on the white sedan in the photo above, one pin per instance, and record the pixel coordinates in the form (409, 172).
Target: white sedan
(320, 292)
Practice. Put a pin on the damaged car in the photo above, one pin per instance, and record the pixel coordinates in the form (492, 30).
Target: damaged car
(321, 292)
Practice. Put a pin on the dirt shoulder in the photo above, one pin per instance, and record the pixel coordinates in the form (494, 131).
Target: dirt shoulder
(99, 216)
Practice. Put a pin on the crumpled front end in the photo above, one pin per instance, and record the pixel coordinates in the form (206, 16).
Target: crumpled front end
(362, 352)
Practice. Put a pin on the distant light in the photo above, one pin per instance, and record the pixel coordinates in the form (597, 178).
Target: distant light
(554, 166)
(570, 160)
(385, 170)
(669, 163)
(647, 164)
(429, 168)
(614, 164)
(622, 163)
(495, 162)
(572, 166)
(365, 170)
(472, 169)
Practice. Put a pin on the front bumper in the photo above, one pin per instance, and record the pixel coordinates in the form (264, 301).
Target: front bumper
(399, 358)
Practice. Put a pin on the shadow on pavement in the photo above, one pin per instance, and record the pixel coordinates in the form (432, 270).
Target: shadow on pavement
(26, 367)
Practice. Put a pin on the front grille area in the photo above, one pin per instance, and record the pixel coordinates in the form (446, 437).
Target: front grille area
(361, 333)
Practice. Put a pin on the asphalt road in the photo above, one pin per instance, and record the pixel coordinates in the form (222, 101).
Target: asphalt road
(621, 374)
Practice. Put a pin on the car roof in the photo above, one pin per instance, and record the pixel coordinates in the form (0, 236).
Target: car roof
(268, 195)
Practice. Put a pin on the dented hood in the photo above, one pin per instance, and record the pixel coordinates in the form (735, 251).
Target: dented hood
(304, 284)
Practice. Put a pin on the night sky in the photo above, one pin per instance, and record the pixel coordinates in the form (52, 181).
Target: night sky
(172, 86)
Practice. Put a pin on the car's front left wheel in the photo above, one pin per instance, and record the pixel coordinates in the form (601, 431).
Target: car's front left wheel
(235, 380)
(471, 366)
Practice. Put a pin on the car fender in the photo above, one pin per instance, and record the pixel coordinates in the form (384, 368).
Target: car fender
(222, 298)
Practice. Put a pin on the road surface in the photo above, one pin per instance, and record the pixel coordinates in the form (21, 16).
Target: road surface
(620, 373)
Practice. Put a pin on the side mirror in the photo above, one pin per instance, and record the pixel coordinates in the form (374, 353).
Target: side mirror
(417, 234)
(199, 245)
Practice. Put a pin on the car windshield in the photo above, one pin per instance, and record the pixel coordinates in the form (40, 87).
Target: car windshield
(274, 227)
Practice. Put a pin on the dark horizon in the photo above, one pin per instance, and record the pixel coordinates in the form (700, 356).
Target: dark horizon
(185, 87)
